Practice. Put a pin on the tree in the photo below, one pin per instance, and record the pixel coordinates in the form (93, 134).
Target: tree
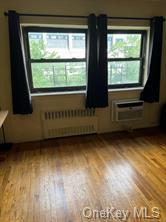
(54, 74)
(125, 71)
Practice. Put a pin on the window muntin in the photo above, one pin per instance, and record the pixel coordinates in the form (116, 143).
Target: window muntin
(56, 58)
(126, 56)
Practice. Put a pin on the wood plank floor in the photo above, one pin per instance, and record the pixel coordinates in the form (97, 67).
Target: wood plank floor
(53, 181)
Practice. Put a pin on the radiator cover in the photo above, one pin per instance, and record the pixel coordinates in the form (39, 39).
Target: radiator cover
(68, 122)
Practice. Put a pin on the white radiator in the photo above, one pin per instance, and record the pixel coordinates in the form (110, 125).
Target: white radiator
(127, 110)
(69, 122)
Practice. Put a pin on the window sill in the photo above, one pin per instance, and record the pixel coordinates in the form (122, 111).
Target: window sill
(126, 89)
(58, 93)
(84, 92)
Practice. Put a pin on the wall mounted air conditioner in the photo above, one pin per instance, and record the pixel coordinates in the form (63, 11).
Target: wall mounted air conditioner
(125, 110)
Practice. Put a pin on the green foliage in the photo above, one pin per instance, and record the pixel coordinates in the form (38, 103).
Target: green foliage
(129, 47)
(58, 74)
(54, 74)
(39, 50)
(74, 74)
(125, 72)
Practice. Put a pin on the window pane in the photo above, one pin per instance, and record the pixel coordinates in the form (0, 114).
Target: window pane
(65, 74)
(124, 45)
(78, 41)
(56, 45)
(123, 72)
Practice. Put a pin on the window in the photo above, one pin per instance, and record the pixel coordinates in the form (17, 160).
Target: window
(126, 58)
(55, 58)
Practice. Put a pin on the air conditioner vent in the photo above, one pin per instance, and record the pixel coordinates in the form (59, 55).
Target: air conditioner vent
(128, 115)
(129, 104)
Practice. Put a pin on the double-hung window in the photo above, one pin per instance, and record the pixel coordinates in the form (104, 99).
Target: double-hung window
(126, 58)
(55, 58)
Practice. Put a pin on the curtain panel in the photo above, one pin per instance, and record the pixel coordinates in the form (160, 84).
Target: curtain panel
(20, 89)
(151, 91)
(97, 83)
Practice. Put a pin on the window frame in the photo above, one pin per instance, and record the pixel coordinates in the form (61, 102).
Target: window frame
(142, 57)
(29, 60)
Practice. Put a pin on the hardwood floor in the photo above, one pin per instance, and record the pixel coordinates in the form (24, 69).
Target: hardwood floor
(53, 181)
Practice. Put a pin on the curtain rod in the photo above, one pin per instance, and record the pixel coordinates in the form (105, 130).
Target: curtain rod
(77, 16)
(49, 15)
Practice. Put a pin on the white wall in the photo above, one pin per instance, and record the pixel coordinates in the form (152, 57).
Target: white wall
(28, 127)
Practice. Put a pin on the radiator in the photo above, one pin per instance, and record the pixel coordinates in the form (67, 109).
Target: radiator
(69, 122)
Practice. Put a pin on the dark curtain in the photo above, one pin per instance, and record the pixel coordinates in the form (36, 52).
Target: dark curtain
(20, 89)
(97, 91)
(102, 83)
(91, 62)
(151, 91)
